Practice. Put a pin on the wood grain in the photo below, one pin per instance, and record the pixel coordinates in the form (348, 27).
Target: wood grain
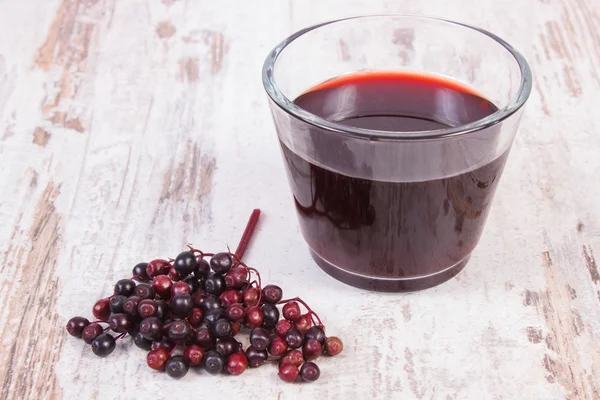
(131, 128)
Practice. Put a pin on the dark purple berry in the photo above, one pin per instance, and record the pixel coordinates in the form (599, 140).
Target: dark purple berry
(91, 332)
(119, 322)
(214, 362)
(202, 268)
(222, 328)
(182, 305)
(179, 331)
(315, 332)
(185, 263)
(205, 338)
(312, 349)
(210, 302)
(215, 284)
(76, 325)
(260, 338)
(103, 345)
(139, 272)
(163, 309)
(125, 287)
(192, 283)
(270, 315)
(256, 358)
(212, 316)
(116, 303)
(130, 307)
(141, 342)
(309, 371)
(151, 328)
(220, 263)
(163, 343)
(177, 367)
(144, 291)
(272, 294)
(294, 338)
(228, 345)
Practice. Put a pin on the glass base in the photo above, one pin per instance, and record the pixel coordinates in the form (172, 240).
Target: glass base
(389, 284)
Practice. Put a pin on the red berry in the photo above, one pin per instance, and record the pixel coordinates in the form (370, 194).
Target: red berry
(236, 363)
(162, 285)
(288, 372)
(196, 317)
(236, 278)
(251, 296)
(157, 267)
(291, 311)
(303, 323)
(333, 346)
(312, 349)
(293, 357)
(254, 317)
(173, 274)
(180, 287)
(235, 328)
(157, 359)
(101, 309)
(278, 347)
(230, 296)
(282, 327)
(194, 354)
(235, 312)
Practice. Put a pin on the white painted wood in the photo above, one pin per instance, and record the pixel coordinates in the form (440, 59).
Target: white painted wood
(130, 128)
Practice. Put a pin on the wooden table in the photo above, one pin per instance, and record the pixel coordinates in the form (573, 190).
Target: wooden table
(130, 128)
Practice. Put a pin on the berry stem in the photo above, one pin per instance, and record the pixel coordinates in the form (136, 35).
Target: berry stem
(121, 336)
(299, 300)
(245, 240)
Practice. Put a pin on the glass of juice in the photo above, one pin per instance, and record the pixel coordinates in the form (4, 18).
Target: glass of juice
(394, 132)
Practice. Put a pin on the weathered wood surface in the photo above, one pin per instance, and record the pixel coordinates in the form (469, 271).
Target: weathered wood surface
(130, 128)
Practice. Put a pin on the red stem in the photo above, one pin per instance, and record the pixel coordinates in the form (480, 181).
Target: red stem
(245, 240)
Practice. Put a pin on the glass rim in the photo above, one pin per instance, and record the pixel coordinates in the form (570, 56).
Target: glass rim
(514, 104)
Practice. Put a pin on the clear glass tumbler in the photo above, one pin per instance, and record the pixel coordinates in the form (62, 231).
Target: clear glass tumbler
(398, 207)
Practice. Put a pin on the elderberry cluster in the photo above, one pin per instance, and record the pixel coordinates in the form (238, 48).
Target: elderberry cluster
(188, 311)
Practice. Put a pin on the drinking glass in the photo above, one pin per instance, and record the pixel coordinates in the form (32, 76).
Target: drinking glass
(394, 210)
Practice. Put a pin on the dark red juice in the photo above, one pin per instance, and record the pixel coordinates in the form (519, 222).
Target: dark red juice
(392, 230)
